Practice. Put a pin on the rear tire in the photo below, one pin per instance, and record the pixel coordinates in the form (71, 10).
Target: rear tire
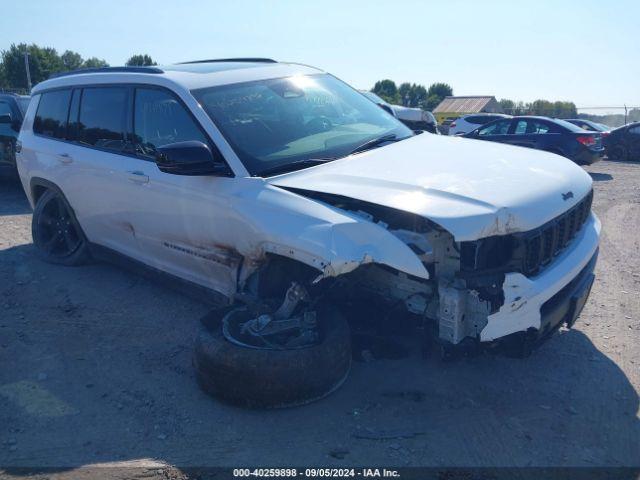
(618, 153)
(257, 378)
(56, 232)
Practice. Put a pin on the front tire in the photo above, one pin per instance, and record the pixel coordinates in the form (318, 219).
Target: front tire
(56, 232)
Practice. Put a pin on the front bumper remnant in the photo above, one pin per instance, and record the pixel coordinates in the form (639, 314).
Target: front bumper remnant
(533, 303)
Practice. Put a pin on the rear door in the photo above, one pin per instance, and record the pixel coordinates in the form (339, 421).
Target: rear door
(532, 133)
(100, 174)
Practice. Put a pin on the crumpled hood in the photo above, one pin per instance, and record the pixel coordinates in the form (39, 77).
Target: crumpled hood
(472, 188)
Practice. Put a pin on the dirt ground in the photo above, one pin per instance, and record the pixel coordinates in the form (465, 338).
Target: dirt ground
(95, 371)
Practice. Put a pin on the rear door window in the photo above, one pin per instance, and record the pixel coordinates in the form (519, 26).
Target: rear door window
(102, 120)
(51, 118)
(535, 127)
(531, 127)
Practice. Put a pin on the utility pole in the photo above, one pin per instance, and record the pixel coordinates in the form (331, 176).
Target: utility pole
(625, 113)
(26, 66)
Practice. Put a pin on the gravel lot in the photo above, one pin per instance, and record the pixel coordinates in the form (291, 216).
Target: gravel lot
(95, 369)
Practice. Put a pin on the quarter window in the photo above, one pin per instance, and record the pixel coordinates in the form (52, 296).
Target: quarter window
(160, 119)
(102, 119)
(51, 119)
(635, 130)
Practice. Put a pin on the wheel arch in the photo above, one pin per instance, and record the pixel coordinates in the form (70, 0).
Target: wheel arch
(38, 186)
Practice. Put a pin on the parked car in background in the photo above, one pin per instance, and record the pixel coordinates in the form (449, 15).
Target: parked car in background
(414, 118)
(590, 126)
(467, 123)
(543, 133)
(12, 110)
(624, 143)
(381, 102)
(443, 128)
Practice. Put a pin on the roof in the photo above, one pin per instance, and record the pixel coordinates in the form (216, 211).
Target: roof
(190, 75)
(473, 104)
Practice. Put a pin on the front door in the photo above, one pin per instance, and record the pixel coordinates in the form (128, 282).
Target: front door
(182, 223)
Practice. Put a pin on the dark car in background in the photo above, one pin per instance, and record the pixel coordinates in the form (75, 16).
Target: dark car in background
(624, 143)
(543, 133)
(12, 110)
(590, 126)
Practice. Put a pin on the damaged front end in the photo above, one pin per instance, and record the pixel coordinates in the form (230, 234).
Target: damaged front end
(455, 305)
(466, 292)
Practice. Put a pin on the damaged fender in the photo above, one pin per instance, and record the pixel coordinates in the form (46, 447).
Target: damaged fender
(346, 246)
(331, 240)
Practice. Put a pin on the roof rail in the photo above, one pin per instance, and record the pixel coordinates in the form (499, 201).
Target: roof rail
(109, 70)
(249, 59)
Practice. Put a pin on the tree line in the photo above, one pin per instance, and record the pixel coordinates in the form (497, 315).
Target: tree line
(545, 108)
(412, 94)
(46, 61)
(416, 95)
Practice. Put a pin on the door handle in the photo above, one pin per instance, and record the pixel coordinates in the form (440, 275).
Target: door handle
(137, 176)
(65, 158)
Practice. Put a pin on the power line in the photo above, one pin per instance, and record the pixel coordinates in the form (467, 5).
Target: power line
(605, 108)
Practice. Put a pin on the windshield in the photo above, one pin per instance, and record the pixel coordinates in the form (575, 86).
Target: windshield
(277, 123)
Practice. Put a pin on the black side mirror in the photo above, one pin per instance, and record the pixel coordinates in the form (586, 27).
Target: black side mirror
(5, 119)
(189, 158)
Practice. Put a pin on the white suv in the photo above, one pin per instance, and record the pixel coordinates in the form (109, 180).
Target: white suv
(275, 181)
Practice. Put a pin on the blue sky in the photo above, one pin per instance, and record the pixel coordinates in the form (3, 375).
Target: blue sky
(587, 51)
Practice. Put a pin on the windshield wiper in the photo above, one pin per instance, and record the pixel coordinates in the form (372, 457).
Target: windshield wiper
(290, 167)
(374, 142)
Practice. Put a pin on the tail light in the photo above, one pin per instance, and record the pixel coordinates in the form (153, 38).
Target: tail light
(587, 140)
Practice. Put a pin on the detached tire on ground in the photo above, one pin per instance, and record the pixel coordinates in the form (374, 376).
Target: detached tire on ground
(257, 378)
